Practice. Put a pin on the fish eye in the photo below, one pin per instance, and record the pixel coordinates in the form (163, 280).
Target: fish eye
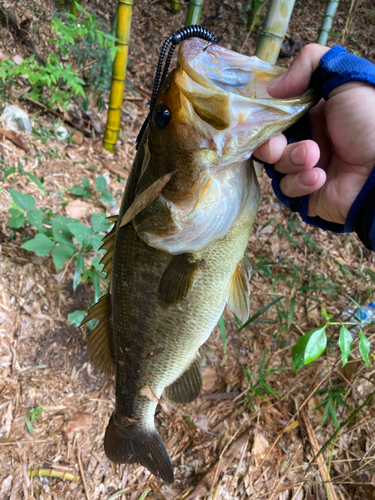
(162, 116)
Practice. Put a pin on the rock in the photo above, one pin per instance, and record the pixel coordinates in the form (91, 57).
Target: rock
(14, 118)
(61, 133)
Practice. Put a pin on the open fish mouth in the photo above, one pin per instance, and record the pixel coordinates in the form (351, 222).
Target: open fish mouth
(228, 92)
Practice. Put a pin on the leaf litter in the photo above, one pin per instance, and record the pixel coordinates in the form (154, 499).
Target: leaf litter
(220, 446)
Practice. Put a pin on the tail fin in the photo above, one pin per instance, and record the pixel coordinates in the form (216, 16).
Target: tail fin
(147, 450)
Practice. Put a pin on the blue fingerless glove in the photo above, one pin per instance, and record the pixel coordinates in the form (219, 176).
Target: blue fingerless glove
(335, 68)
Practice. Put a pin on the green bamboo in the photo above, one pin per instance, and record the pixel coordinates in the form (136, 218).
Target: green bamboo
(175, 6)
(59, 474)
(194, 12)
(255, 15)
(124, 15)
(73, 7)
(327, 22)
(274, 29)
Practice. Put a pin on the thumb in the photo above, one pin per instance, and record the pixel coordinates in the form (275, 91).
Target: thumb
(296, 80)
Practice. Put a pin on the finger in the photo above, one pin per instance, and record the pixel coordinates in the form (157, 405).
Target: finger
(272, 150)
(296, 80)
(298, 157)
(308, 182)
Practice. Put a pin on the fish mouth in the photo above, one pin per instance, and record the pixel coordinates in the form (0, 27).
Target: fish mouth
(228, 90)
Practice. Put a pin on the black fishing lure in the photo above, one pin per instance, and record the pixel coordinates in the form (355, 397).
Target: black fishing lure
(161, 73)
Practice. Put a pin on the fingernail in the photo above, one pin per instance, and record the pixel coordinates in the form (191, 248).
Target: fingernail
(277, 80)
(309, 178)
(298, 155)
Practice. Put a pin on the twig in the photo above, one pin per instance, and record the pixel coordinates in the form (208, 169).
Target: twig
(82, 473)
(12, 136)
(59, 115)
(124, 175)
(324, 474)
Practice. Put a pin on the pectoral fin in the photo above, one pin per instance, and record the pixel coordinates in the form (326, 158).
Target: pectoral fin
(239, 290)
(144, 199)
(100, 344)
(178, 278)
(187, 387)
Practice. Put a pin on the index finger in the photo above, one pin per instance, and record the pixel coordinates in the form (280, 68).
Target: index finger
(296, 80)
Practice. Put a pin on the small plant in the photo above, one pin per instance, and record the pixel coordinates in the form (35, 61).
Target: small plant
(30, 416)
(66, 238)
(313, 343)
(93, 47)
(50, 84)
(332, 400)
(258, 386)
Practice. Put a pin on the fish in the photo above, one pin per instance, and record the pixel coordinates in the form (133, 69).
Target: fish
(177, 253)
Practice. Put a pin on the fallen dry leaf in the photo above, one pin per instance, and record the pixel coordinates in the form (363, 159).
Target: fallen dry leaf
(260, 447)
(80, 422)
(148, 393)
(77, 138)
(209, 376)
(77, 209)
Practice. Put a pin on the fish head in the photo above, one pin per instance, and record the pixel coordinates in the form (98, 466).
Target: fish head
(213, 110)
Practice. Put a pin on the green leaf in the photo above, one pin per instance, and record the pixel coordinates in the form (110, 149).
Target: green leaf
(260, 312)
(221, 325)
(100, 183)
(81, 232)
(80, 266)
(309, 347)
(61, 253)
(35, 412)
(36, 181)
(345, 343)
(77, 190)
(60, 229)
(24, 201)
(35, 218)
(41, 245)
(28, 423)
(100, 223)
(17, 218)
(96, 242)
(76, 317)
(364, 347)
(107, 198)
(96, 263)
(326, 315)
(85, 182)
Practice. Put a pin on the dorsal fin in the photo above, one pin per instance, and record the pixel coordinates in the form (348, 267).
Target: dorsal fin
(108, 245)
(187, 387)
(177, 279)
(100, 344)
(239, 290)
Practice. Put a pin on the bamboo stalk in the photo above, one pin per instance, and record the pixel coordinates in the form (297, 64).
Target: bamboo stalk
(274, 29)
(124, 14)
(175, 6)
(255, 15)
(327, 22)
(73, 7)
(194, 12)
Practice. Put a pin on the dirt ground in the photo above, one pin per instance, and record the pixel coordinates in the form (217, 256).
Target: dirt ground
(236, 441)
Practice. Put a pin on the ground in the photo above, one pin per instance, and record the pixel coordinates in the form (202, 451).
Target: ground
(237, 440)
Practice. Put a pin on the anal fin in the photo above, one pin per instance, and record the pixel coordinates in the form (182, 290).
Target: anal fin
(239, 290)
(187, 387)
(100, 344)
(178, 278)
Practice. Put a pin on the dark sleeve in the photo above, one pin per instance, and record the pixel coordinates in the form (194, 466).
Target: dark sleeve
(335, 68)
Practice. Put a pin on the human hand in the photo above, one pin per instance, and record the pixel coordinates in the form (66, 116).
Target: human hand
(343, 146)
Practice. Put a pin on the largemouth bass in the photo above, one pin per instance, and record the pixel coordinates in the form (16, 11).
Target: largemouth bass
(177, 253)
